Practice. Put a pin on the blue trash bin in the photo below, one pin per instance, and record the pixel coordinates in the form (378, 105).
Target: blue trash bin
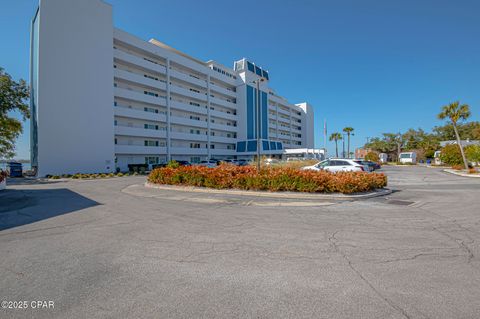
(15, 169)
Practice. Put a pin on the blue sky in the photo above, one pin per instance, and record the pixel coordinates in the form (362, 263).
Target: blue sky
(378, 66)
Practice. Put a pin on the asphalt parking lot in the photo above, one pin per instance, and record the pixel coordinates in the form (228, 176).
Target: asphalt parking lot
(113, 249)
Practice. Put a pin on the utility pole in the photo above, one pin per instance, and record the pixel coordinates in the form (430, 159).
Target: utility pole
(343, 146)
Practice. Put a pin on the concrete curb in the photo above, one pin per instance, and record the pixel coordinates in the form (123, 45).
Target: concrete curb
(454, 172)
(291, 195)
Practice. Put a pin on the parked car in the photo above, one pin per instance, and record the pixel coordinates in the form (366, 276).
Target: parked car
(242, 162)
(209, 163)
(183, 163)
(371, 165)
(337, 165)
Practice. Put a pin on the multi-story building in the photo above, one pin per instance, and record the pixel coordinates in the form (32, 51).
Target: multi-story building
(103, 98)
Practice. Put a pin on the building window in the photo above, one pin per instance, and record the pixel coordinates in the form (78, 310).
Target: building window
(212, 146)
(151, 160)
(151, 143)
(195, 159)
(115, 141)
(150, 93)
(192, 131)
(195, 104)
(150, 127)
(194, 145)
(196, 118)
(150, 77)
(194, 90)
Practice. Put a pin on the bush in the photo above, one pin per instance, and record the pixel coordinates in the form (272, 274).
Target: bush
(472, 171)
(372, 156)
(450, 155)
(472, 152)
(173, 164)
(457, 167)
(271, 179)
(119, 174)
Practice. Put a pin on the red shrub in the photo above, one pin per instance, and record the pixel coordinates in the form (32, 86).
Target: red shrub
(271, 179)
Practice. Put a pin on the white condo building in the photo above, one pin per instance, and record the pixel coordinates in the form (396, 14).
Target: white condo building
(102, 98)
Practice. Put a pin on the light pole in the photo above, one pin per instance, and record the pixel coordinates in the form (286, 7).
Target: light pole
(257, 120)
(343, 146)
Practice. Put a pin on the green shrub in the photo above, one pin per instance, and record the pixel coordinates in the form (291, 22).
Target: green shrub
(372, 156)
(271, 179)
(119, 174)
(173, 164)
(55, 177)
(472, 152)
(103, 175)
(76, 176)
(451, 155)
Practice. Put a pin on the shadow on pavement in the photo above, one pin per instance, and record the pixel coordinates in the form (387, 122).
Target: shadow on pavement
(29, 181)
(21, 207)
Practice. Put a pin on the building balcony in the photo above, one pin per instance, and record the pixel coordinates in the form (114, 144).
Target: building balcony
(223, 102)
(187, 122)
(139, 79)
(223, 139)
(223, 152)
(138, 61)
(139, 96)
(223, 115)
(186, 92)
(188, 151)
(188, 136)
(139, 114)
(222, 90)
(224, 127)
(189, 79)
(140, 150)
(188, 107)
(139, 132)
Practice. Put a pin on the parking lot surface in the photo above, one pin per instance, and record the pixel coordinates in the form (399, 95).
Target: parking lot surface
(113, 249)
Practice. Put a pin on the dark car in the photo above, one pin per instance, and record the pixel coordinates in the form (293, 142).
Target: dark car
(372, 165)
(184, 163)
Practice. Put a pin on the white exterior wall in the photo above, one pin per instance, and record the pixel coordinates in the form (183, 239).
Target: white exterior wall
(308, 125)
(99, 88)
(75, 91)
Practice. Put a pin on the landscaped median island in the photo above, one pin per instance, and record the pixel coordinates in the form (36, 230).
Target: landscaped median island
(274, 179)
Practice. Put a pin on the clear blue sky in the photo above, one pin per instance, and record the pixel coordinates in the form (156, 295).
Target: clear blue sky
(377, 66)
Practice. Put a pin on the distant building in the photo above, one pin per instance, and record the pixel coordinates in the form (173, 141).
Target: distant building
(362, 152)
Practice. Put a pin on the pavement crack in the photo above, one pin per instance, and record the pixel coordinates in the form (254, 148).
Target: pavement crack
(333, 241)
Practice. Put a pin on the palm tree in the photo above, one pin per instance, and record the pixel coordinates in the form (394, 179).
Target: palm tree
(349, 131)
(335, 137)
(456, 112)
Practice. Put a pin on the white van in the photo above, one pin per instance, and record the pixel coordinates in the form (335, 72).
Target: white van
(408, 157)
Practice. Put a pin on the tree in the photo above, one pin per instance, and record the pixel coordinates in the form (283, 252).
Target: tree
(335, 137)
(472, 152)
(468, 130)
(13, 96)
(372, 156)
(349, 131)
(455, 113)
(450, 155)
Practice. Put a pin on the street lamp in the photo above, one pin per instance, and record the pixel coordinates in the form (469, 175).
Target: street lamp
(257, 119)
